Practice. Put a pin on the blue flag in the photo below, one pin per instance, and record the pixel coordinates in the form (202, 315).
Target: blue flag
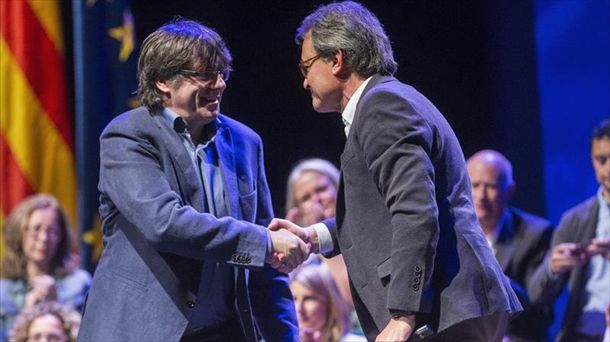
(105, 58)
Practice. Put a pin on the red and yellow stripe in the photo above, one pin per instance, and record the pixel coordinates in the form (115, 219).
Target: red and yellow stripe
(36, 139)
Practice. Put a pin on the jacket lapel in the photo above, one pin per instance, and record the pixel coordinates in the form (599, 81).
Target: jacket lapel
(190, 183)
(226, 158)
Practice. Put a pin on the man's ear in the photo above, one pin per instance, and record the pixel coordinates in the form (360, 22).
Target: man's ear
(339, 67)
(162, 86)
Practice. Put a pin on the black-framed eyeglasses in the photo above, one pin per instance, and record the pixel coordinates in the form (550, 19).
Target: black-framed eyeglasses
(207, 76)
(305, 65)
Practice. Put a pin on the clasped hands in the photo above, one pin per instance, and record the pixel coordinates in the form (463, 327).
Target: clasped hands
(291, 244)
(567, 256)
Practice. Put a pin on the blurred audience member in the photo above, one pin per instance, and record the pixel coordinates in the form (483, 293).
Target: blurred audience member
(47, 321)
(311, 196)
(311, 191)
(38, 265)
(322, 313)
(519, 240)
(580, 255)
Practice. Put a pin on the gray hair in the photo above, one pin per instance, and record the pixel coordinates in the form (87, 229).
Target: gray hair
(352, 29)
(179, 44)
(321, 166)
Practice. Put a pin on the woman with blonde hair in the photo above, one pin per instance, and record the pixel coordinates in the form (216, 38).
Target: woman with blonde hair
(38, 264)
(322, 313)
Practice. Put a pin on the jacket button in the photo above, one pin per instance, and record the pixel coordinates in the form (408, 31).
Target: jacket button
(415, 287)
(190, 304)
(417, 269)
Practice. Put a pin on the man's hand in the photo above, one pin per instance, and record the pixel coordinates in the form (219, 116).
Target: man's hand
(599, 246)
(398, 329)
(289, 251)
(307, 234)
(567, 256)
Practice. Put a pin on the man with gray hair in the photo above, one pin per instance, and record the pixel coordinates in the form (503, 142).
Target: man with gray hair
(519, 240)
(417, 260)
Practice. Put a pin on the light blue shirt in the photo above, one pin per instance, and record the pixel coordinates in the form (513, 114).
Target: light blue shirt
(597, 290)
(217, 306)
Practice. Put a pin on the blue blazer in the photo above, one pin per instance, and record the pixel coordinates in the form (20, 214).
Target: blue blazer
(157, 234)
(405, 221)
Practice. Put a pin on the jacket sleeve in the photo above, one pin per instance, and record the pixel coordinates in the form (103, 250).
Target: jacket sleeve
(134, 183)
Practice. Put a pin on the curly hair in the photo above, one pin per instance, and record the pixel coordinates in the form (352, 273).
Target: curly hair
(69, 318)
(15, 261)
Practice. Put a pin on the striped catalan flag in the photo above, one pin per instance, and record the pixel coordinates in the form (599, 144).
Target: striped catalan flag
(36, 133)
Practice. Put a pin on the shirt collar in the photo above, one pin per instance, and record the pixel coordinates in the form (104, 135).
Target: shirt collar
(350, 108)
(178, 124)
(495, 235)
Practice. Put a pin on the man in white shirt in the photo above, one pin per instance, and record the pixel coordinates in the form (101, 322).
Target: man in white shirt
(405, 223)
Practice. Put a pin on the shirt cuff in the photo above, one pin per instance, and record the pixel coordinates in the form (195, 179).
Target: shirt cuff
(324, 238)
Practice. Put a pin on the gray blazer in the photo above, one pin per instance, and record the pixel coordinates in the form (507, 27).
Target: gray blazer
(405, 221)
(157, 235)
(578, 225)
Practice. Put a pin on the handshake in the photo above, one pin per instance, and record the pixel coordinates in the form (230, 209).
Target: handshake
(291, 244)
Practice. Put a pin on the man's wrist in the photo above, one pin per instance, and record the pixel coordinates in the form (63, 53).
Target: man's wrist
(399, 314)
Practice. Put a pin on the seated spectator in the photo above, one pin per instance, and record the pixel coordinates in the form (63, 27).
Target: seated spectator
(580, 256)
(46, 321)
(311, 196)
(322, 313)
(519, 240)
(38, 265)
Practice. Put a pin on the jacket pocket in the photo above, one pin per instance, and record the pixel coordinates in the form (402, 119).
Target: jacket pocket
(384, 271)
(248, 206)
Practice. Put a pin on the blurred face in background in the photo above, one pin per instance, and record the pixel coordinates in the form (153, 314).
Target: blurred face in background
(42, 236)
(600, 156)
(490, 191)
(310, 306)
(46, 328)
(315, 193)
